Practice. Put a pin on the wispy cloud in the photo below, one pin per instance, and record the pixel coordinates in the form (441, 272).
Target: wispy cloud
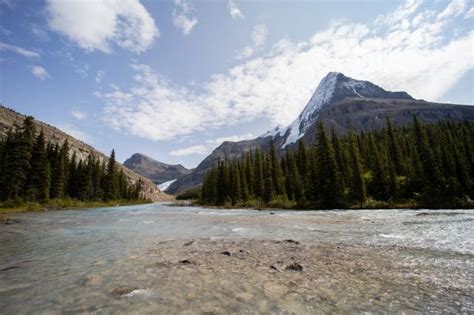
(218, 141)
(19, 50)
(79, 115)
(82, 69)
(470, 13)
(40, 32)
(182, 17)
(193, 150)
(99, 76)
(40, 72)
(258, 37)
(414, 52)
(234, 10)
(455, 8)
(95, 25)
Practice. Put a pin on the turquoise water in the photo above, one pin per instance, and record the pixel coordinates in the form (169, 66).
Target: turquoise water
(46, 259)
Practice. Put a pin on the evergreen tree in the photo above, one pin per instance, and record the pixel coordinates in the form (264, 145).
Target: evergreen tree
(39, 178)
(268, 181)
(431, 175)
(17, 160)
(277, 173)
(394, 150)
(330, 182)
(358, 183)
(110, 179)
(258, 175)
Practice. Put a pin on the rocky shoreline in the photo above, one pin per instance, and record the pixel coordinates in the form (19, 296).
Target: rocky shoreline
(213, 276)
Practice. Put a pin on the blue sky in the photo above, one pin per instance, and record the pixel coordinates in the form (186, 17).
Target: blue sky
(173, 79)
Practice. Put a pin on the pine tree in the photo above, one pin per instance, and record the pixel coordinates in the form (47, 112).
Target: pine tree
(258, 175)
(380, 186)
(222, 184)
(110, 179)
(72, 177)
(330, 182)
(17, 160)
(277, 173)
(431, 174)
(244, 189)
(358, 183)
(39, 178)
(59, 162)
(249, 173)
(394, 149)
(268, 183)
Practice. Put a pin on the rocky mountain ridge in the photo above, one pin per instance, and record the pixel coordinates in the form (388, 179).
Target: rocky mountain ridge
(158, 172)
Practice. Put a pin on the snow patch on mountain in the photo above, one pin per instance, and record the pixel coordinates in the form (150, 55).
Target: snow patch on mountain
(278, 130)
(165, 185)
(321, 97)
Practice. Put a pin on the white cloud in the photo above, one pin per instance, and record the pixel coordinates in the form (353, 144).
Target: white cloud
(454, 8)
(195, 149)
(258, 37)
(99, 76)
(182, 18)
(78, 115)
(95, 25)
(75, 132)
(234, 10)
(218, 141)
(470, 13)
(19, 50)
(420, 57)
(40, 72)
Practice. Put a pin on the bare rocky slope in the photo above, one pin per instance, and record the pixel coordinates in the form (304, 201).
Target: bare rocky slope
(158, 172)
(10, 118)
(341, 103)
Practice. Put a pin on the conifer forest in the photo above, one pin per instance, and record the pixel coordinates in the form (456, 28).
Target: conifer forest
(416, 166)
(33, 169)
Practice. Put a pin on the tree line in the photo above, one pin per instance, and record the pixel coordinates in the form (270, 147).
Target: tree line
(36, 170)
(418, 165)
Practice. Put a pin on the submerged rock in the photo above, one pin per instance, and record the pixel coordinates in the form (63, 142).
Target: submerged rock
(185, 262)
(118, 292)
(9, 268)
(294, 267)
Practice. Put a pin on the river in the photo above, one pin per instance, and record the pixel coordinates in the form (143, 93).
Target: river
(167, 259)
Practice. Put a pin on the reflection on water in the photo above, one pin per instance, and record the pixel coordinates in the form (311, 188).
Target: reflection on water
(50, 260)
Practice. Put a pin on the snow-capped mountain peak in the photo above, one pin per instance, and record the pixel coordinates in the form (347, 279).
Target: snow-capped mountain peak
(333, 88)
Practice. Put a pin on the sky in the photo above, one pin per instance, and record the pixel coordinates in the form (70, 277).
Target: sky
(174, 79)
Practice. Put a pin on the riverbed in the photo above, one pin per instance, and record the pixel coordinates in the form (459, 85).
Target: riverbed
(164, 259)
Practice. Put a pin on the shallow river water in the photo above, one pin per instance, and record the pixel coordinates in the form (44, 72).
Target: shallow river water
(160, 258)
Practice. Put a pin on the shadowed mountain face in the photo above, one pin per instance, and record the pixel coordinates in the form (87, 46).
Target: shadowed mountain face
(10, 118)
(341, 103)
(157, 172)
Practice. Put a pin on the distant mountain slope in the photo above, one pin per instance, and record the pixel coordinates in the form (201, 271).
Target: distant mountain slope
(10, 118)
(339, 102)
(158, 172)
